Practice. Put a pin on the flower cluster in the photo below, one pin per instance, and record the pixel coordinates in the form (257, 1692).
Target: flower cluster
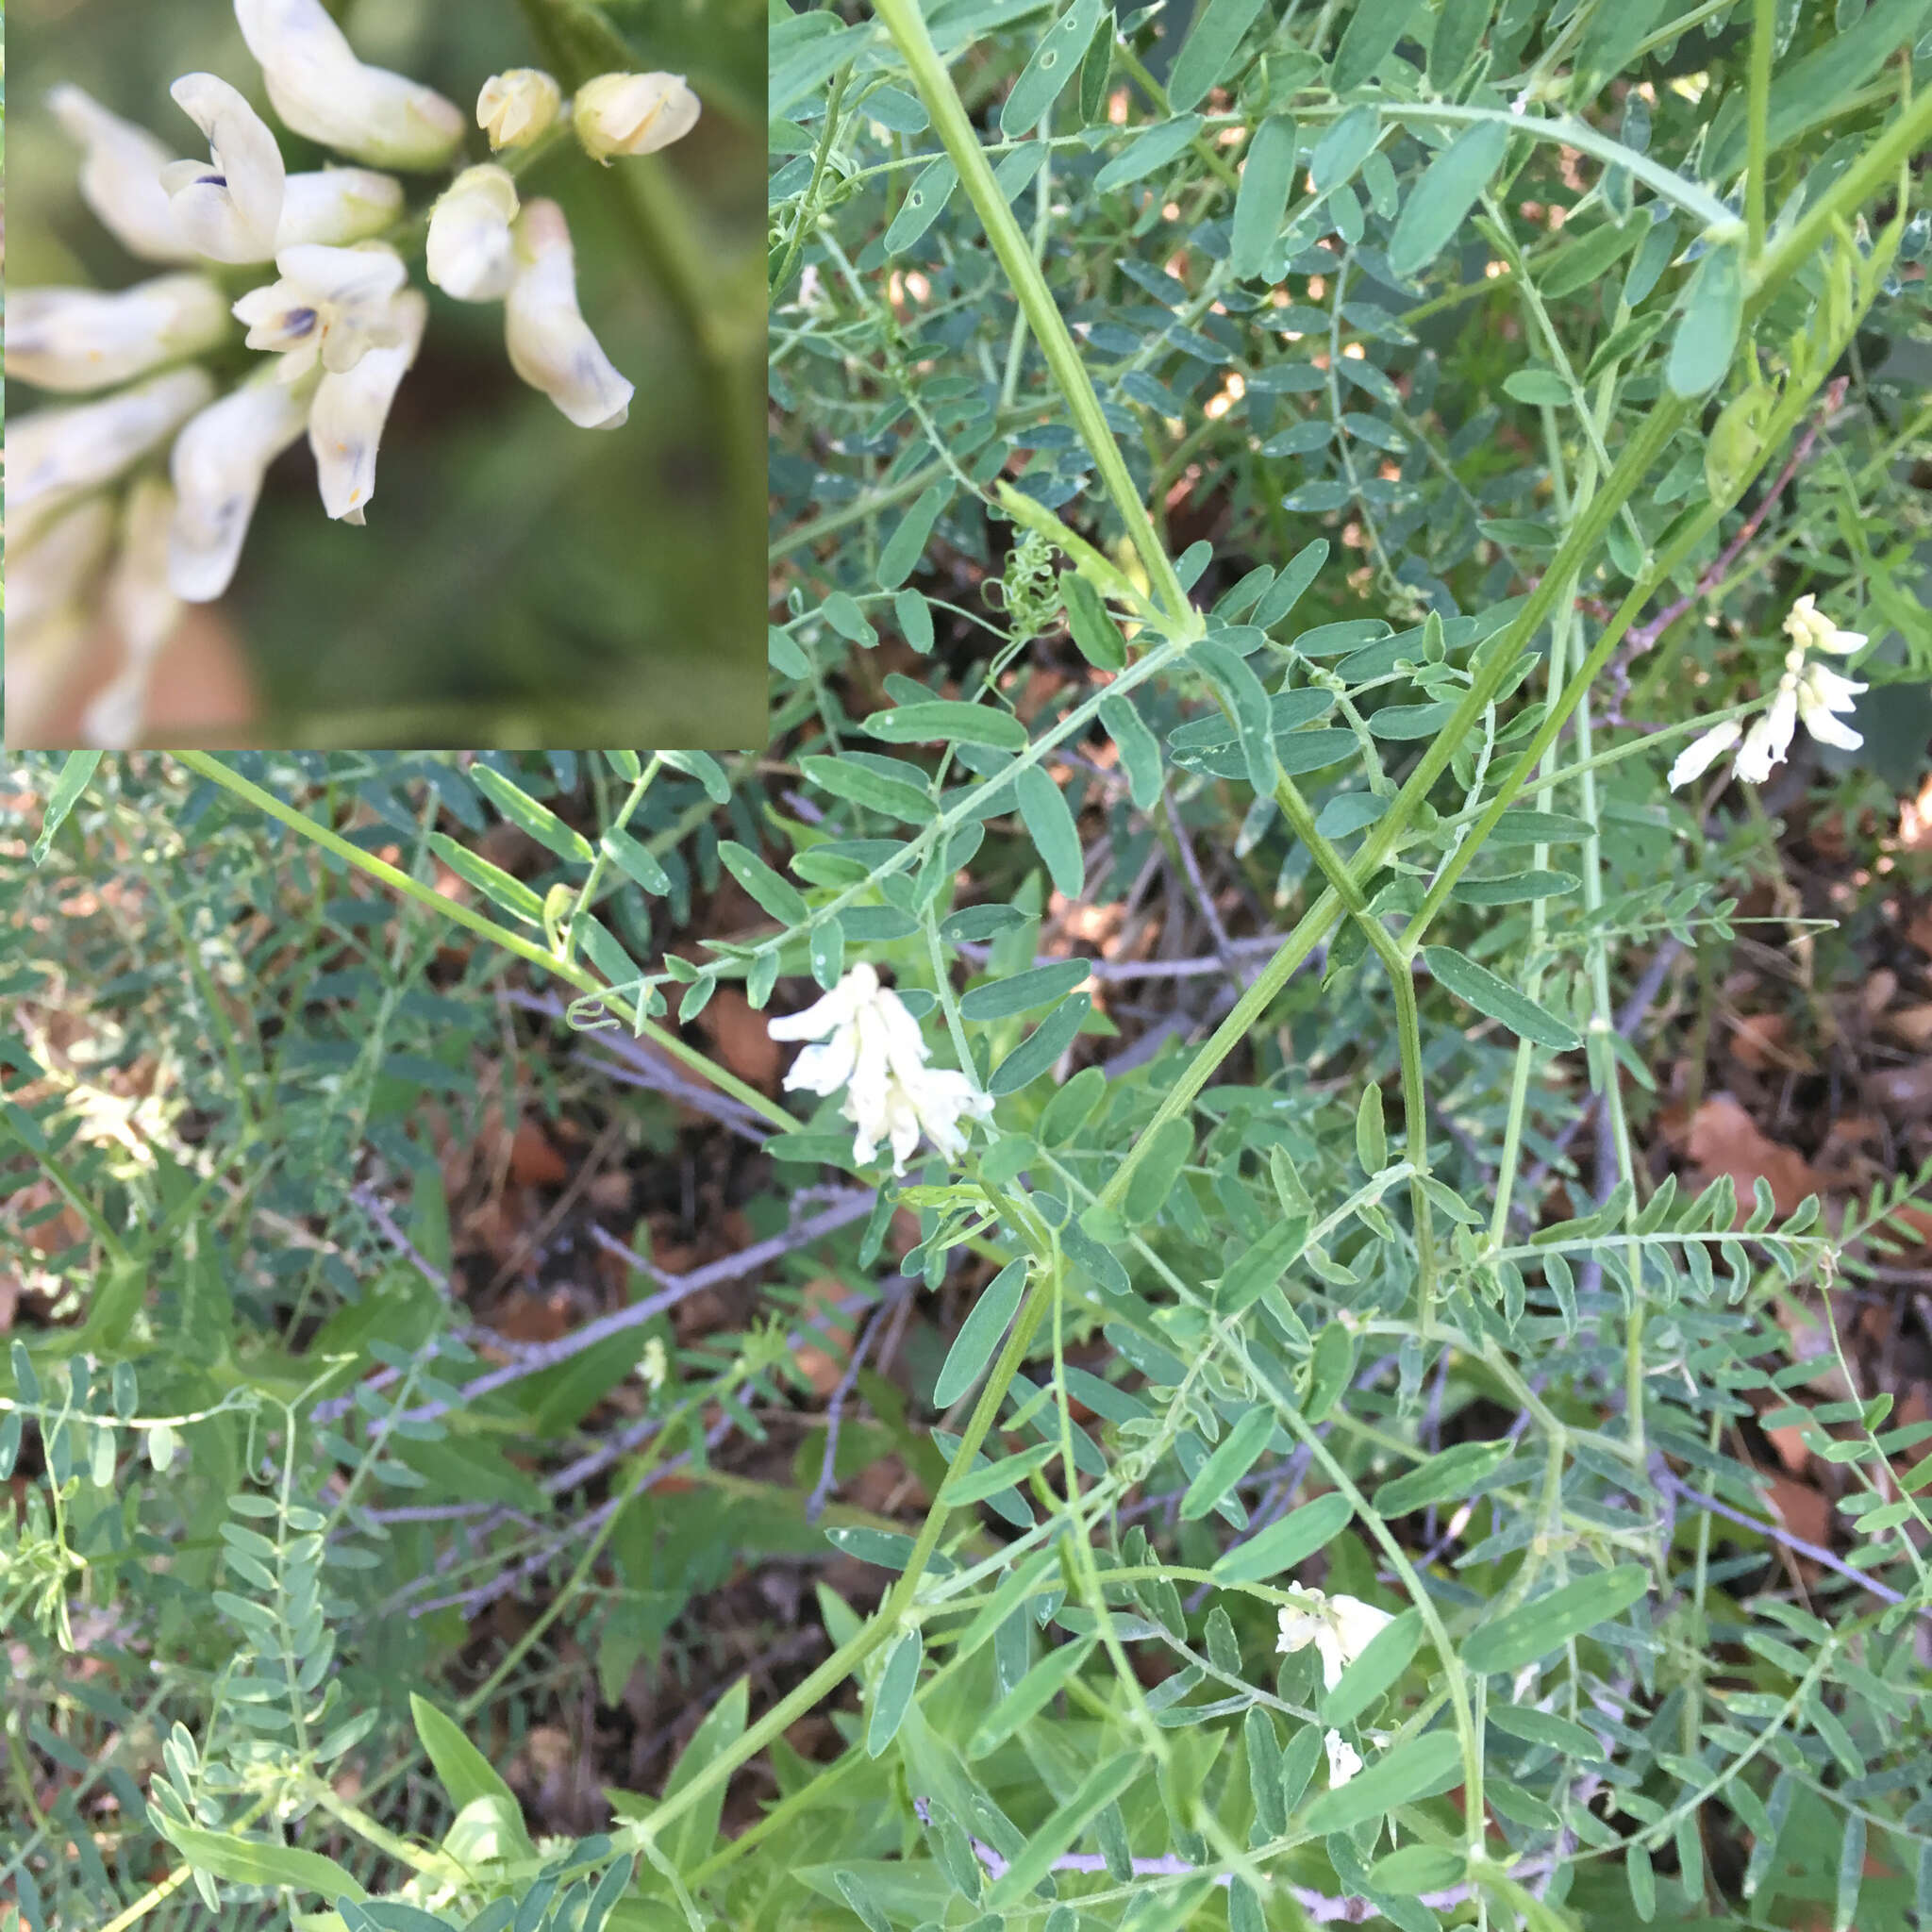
(1809, 692)
(1340, 1628)
(868, 1042)
(339, 322)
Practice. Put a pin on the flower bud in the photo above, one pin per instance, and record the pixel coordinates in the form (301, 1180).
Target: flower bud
(57, 454)
(80, 338)
(471, 253)
(45, 577)
(517, 107)
(144, 611)
(550, 344)
(345, 422)
(229, 211)
(320, 88)
(633, 113)
(331, 306)
(218, 465)
(336, 207)
(121, 177)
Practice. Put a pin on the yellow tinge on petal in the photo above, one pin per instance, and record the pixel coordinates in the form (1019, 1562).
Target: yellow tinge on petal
(518, 106)
(632, 113)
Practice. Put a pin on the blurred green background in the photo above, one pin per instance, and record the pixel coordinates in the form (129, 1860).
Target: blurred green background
(521, 582)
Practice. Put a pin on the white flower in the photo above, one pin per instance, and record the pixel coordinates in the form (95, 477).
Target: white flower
(80, 338)
(321, 90)
(1806, 626)
(143, 609)
(345, 422)
(336, 206)
(218, 465)
(57, 454)
(518, 108)
(632, 113)
(653, 1366)
(331, 306)
(550, 344)
(471, 253)
(1340, 1628)
(1344, 1760)
(1822, 692)
(47, 575)
(227, 209)
(1701, 753)
(1770, 738)
(868, 1042)
(1811, 694)
(121, 177)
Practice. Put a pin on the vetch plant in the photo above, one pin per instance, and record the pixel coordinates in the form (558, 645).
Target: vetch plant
(340, 319)
(1251, 529)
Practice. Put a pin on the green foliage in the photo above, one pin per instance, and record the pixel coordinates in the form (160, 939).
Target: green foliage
(1132, 510)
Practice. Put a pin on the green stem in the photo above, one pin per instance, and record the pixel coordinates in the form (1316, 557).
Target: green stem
(1763, 28)
(907, 26)
(430, 900)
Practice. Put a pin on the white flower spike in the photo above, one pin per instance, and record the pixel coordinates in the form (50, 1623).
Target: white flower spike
(1340, 1628)
(218, 465)
(1812, 694)
(80, 338)
(332, 306)
(472, 255)
(336, 206)
(58, 455)
(518, 108)
(321, 90)
(229, 209)
(143, 609)
(550, 344)
(346, 422)
(868, 1042)
(632, 113)
(121, 177)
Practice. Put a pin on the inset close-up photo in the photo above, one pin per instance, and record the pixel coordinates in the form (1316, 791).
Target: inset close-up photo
(384, 374)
